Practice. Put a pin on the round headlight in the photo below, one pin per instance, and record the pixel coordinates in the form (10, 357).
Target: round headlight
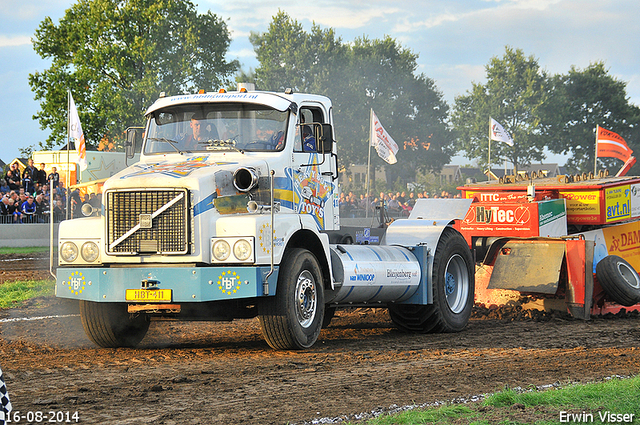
(242, 250)
(221, 250)
(89, 252)
(69, 252)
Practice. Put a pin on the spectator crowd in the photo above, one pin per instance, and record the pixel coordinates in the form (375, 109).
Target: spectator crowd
(28, 196)
(395, 205)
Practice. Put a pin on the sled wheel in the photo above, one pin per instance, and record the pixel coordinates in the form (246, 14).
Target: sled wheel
(453, 283)
(619, 280)
(292, 319)
(109, 325)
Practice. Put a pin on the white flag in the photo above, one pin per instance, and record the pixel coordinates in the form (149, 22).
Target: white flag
(498, 133)
(380, 139)
(75, 132)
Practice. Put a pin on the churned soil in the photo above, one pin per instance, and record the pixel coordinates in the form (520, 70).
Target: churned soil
(224, 372)
(24, 267)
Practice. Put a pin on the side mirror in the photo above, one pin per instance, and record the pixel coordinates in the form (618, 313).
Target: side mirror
(324, 136)
(134, 138)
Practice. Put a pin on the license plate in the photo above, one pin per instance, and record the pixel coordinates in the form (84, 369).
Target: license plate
(149, 295)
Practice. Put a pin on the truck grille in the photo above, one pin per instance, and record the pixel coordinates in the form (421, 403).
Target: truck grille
(147, 221)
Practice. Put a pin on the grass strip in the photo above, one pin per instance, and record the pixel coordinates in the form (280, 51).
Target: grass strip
(23, 250)
(611, 401)
(15, 292)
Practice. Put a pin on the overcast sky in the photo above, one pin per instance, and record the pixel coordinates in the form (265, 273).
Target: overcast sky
(454, 40)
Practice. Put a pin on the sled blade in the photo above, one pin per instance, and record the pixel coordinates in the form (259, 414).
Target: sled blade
(528, 266)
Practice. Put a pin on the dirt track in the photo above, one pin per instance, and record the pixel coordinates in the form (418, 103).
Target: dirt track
(21, 267)
(224, 373)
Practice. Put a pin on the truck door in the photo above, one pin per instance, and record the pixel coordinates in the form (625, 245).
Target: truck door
(315, 191)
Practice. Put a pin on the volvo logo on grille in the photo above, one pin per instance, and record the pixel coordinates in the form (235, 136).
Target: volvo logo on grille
(146, 222)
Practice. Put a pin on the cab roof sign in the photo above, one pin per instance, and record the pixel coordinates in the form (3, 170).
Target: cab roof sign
(276, 101)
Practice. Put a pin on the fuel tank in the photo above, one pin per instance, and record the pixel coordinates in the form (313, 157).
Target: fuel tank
(373, 273)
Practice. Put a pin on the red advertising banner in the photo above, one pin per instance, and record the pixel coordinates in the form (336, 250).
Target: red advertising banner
(501, 219)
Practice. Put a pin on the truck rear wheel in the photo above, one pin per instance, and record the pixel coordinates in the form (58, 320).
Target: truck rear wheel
(293, 318)
(109, 325)
(619, 280)
(453, 281)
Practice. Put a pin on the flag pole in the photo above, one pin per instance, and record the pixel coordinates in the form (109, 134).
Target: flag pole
(489, 173)
(366, 196)
(67, 176)
(595, 161)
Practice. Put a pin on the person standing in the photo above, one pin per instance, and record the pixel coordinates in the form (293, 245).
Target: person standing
(76, 203)
(5, 216)
(28, 177)
(54, 177)
(28, 210)
(14, 211)
(41, 177)
(58, 211)
(412, 200)
(42, 207)
(13, 178)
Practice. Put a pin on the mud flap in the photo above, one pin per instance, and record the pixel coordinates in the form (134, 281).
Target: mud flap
(528, 266)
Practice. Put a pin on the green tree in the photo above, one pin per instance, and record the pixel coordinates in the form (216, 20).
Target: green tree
(359, 76)
(117, 56)
(382, 76)
(580, 100)
(514, 95)
(289, 57)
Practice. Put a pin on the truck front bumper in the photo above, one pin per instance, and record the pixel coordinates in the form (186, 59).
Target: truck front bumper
(187, 284)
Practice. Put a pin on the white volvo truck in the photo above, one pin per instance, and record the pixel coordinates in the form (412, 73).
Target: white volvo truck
(232, 212)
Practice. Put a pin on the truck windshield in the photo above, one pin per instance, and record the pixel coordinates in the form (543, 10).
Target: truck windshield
(216, 127)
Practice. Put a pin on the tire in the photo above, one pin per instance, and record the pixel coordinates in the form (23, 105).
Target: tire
(453, 281)
(619, 280)
(292, 319)
(109, 325)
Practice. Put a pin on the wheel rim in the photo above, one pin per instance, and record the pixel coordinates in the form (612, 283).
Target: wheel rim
(306, 299)
(456, 283)
(629, 275)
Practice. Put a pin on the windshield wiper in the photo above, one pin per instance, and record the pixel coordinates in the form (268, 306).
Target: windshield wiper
(221, 144)
(172, 143)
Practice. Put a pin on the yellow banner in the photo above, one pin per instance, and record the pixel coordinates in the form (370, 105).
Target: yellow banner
(582, 206)
(624, 241)
(618, 203)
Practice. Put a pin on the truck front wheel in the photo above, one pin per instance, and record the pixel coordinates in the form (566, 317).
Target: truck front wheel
(293, 318)
(109, 325)
(453, 281)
